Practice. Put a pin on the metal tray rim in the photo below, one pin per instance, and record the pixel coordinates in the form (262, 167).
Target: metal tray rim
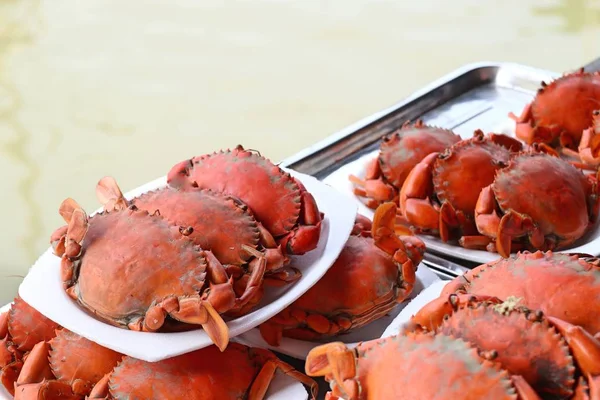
(436, 84)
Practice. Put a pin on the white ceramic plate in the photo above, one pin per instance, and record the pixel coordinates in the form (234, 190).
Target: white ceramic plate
(589, 244)
(42, 287)
(282, 387)
(300, 348)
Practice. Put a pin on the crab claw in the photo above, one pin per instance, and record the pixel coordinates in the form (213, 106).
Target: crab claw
(372, 186)
(305, 236)
(407, 251)
(584, 346)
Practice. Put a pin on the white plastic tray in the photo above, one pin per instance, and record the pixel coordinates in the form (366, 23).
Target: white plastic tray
(300, 348)
(43, 290)
(589, 244)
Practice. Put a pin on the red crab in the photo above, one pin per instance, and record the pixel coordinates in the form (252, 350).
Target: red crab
(20, 329)
(239, 372)
(133, 270)
(560, 110)
(279, 201)
(399, 152)
(540, 200)
(379, 271)
(68, 366)
(216, 222)
(523, 341)
(440, 193)
(561, 285)
(413, 366)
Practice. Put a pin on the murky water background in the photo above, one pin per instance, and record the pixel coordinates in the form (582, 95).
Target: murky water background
(98, 87)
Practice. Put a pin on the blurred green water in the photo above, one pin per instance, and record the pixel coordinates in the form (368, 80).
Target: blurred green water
(127, 89)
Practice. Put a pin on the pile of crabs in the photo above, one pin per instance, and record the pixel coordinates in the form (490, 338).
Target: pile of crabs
(524, 327)
(191, 254)
(494, 192)
(205, 246)
(228, 225)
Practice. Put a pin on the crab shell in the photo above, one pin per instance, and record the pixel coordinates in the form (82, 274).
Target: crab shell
(399, 152)
(133, 270)
(412, 366)
(70, 362)
(538, 199)
(560, 111)
(521, 340)
(217, 222)
(279, 202)
(20, 329)
(376, 274)
(239, 372)
(440, 193)
(560, 285)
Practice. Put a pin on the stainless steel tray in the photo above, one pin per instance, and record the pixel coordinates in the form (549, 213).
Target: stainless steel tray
(476, 96)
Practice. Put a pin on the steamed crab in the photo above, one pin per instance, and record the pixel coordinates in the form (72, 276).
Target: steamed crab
(539, 200)
(440, 193)
(525, 342)
(413, 366)
(563, 286)
(20, 329)
(399, 152)
(238, 372)
(375, 265)
(279, 201)
(68, 366)
(216, 222)
(134, 270)
(560, 110)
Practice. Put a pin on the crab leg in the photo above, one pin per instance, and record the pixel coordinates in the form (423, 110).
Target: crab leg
(262, 381)
(372, 186)
(524, 130)
(100, 389)
(432, 314)
(109, 194)
(275, 257)
(36, 380)
(407, 251)
(337, 363)
(10, 374)
(191, 310)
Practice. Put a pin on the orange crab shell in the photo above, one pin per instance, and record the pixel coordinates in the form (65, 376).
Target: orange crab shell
(412, 366)
(572, 281)
(279, 202)
(522, 340)
(401, 150)
(27, 326)
(543, 200)
(79, 361)
(363, 285)
(134, 270)
(441, 192)
(561, 110)
(239, 372)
